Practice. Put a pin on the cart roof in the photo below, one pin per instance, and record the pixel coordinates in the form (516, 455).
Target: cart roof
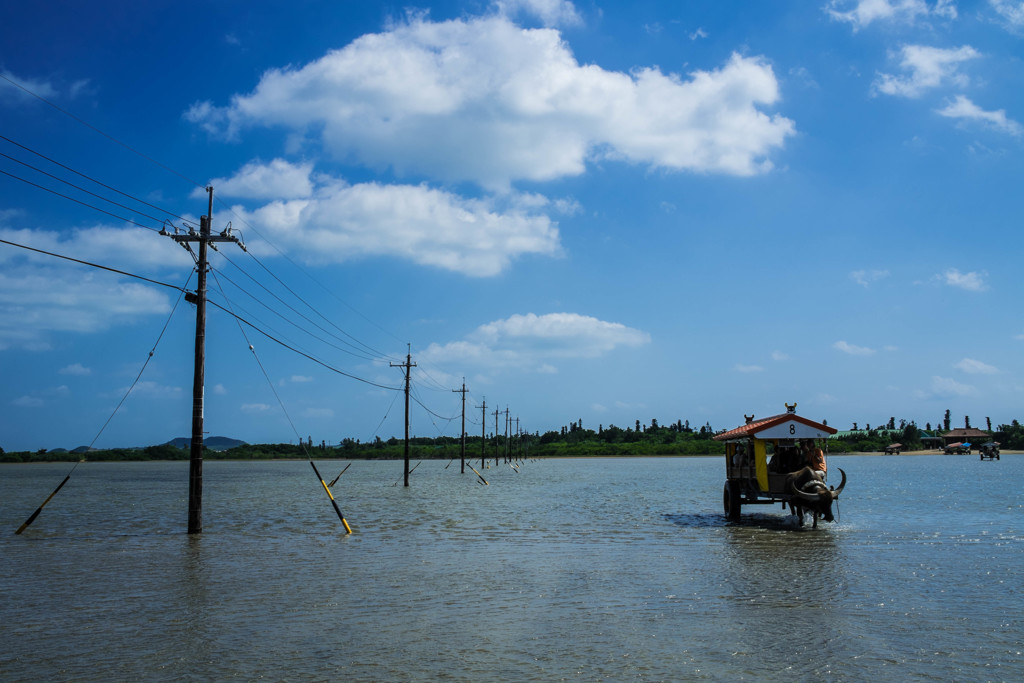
(787, 425)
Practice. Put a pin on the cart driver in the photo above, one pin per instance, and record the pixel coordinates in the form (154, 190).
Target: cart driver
(815, 459)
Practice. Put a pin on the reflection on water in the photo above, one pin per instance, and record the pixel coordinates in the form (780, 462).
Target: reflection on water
(606, 569)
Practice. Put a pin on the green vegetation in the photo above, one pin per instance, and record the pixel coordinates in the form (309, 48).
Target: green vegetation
(571, 441)
(677, 439)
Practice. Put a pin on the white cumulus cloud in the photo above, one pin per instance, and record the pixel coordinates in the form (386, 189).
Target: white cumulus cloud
(976, 367)
(853, 349)
(37, 302)
(739, 367)
(532, 341)
(487, 101)
(945, 387)
(1011, 12)
(972, 282)
(277, 180)
(926, 68)
(963, 109)
(862, 13)
(865, 278)
(431, 227)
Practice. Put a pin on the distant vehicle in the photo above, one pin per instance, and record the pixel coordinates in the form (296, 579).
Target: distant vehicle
(751, 479)
(989, 451)
(893, 449)
(957, 449)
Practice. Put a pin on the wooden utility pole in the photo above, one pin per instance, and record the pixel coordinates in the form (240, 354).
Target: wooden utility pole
(496, 414)
(483, 434)
(408, 365)
(508, 423)
(519, 442)
(195, 468)
(463, 449)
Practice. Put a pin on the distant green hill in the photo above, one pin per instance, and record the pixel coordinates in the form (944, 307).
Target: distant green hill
(214, 443)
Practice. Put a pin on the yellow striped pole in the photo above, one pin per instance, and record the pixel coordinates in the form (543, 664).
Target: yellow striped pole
(478, 474)
(40, 508)
(348, 529)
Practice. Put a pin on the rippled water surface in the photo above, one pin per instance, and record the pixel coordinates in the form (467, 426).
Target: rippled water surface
(572, 569)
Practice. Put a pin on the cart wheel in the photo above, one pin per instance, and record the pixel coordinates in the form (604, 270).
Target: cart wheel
(731, 501)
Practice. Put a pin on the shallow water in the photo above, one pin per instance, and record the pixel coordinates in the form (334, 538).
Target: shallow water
(572, 569)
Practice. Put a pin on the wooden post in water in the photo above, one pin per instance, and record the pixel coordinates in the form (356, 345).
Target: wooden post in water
(496, 414)
(408, 365)
(195, 467)
(463, 439)
(483, 433)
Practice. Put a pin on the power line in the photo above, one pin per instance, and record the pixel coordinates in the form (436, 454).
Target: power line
(294, 324)
(78, 187)
(357, 353)
(94, 128)
(380, 354)
(304, 355)
(94, 265)
(78, 201)
(90, 178)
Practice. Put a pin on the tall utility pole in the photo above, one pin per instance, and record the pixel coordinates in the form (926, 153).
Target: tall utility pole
(408, 365)
(483, 434)
(463, 450)
(195, 467)
(519, 442)
(496, 414)
(507, 425)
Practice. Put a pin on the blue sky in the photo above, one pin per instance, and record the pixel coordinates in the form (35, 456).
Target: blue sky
(596, 211)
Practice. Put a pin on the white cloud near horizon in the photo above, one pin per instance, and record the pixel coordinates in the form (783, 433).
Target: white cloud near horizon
(862, 13)
(146, 389)
(739, 367)
(339, 222)
(36, 302)
(484, 100)
(964, 109)
(15, 93)
(39, 297)
(853, 349)
(530, 342)
(925, 68)
(972, 282)
(866, 278)
(945, 387)
(976, 367)
(76, 369)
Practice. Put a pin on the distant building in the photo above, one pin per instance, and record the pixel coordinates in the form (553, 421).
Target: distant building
(973, 436)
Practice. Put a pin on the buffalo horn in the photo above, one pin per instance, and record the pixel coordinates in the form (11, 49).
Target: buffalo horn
(836, 492)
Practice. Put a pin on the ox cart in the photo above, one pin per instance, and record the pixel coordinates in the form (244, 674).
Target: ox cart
(764, 466)
(957, 449)
(989, 451)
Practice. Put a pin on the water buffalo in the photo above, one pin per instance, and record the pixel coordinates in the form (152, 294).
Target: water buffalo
(810, 494)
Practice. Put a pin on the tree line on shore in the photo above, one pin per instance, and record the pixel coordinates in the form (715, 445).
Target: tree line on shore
(574, 440)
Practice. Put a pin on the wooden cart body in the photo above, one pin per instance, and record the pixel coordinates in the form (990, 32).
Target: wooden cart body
(750, 477)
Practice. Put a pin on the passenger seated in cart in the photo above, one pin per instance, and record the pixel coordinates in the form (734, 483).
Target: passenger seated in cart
(786, 459)
(815, 459)
(740, 457)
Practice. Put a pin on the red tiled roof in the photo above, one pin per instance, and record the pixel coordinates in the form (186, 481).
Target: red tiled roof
(965, 433)
(765, 423)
